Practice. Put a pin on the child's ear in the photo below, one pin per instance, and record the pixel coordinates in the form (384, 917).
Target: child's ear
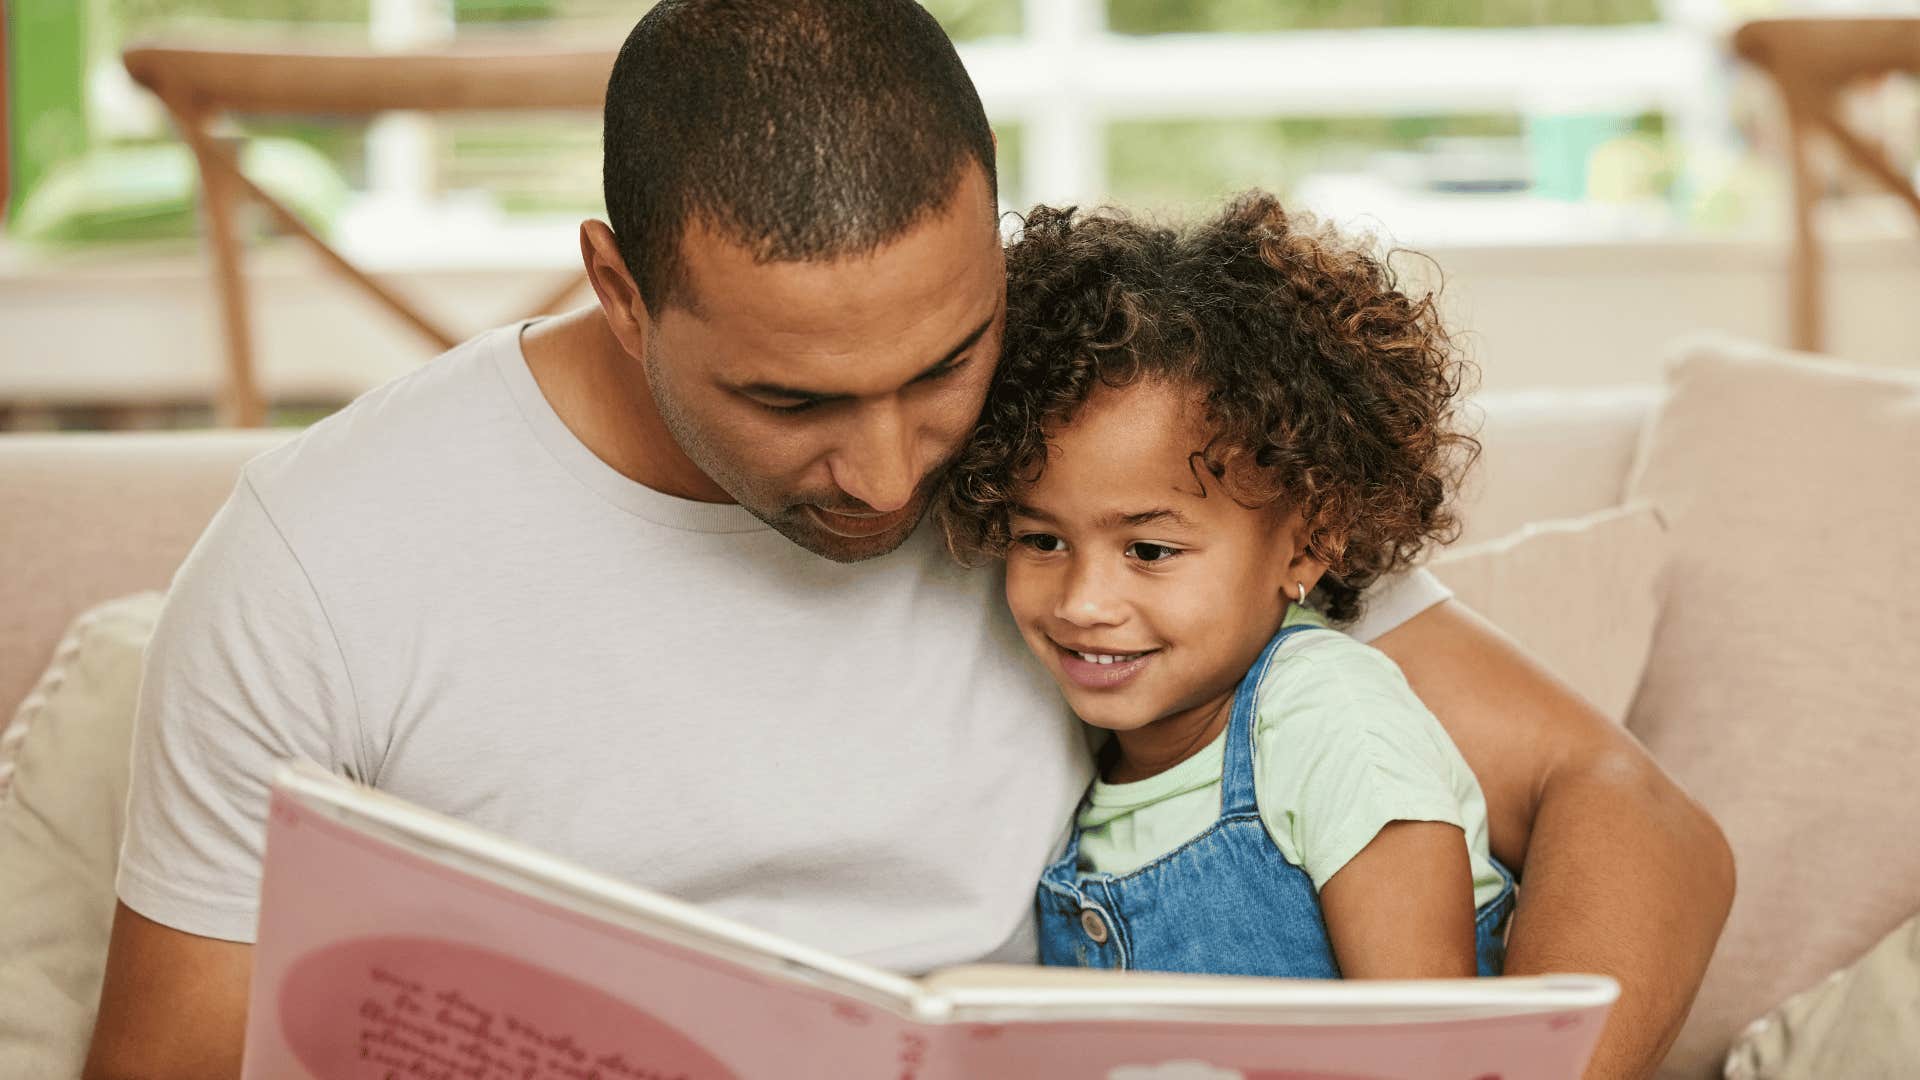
(1303, 569)
(1303, 574)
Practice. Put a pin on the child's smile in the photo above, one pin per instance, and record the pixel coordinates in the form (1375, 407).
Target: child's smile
(1100, 670)
(1139, 581)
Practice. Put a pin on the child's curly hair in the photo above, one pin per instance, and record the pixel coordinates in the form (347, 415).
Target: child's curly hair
(1328, 390)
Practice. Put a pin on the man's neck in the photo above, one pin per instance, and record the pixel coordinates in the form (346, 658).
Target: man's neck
(600, 393)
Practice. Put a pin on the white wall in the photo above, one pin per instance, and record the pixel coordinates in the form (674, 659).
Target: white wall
(1606, 314)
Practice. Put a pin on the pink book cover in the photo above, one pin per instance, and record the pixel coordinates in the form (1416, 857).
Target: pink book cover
(395, 943)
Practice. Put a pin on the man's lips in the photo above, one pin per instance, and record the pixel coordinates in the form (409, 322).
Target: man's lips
(858, 526)
(1098, 675)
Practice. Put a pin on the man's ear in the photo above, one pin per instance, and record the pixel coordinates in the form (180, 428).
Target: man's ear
(614, 287)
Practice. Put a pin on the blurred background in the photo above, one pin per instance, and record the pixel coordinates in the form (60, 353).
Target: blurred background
(1590, 179)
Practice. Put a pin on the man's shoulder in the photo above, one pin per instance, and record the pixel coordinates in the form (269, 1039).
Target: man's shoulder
(421, 431)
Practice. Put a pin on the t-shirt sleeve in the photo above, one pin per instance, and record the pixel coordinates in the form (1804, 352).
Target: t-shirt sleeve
(1344, 748)
(243, 672)
(1393, 600)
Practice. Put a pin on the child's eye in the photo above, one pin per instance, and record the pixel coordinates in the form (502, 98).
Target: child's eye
(1043, 542)
(1151, 553)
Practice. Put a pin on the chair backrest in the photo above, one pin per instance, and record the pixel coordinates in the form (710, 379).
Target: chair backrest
(1813, 62)
(199, 85)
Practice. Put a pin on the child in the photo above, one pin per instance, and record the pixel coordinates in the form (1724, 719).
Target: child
(1192, 433)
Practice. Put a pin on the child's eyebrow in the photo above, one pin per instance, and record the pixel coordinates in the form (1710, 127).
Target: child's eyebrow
(1146, 517)
(1115, 520)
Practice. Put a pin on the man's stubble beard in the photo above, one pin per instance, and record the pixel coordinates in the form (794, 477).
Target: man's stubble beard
(792, 520)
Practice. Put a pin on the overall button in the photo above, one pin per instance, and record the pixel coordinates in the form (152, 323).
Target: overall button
(1094, 925)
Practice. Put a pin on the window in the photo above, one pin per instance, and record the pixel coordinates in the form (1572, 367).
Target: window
(1451, 120)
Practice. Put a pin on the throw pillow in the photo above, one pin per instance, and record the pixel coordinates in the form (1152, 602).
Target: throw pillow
(61, 822)
(1859, 1022)
(1786, 665)
(1579, 594)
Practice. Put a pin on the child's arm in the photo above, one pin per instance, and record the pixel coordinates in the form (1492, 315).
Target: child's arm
(1403, 907)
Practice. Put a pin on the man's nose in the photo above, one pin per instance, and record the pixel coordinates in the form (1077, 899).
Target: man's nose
(1088, 596)
(878, 465)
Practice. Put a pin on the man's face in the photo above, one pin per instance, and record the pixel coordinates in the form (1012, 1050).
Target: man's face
(826, 397)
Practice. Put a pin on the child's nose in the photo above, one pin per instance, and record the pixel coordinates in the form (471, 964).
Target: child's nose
(1088, 598)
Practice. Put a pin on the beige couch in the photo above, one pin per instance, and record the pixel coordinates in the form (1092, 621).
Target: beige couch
(91, 517)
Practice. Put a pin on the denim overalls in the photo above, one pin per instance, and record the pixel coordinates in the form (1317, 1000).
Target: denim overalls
(1226, 902)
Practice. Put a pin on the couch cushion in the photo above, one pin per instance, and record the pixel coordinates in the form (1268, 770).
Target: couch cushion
(61, 821)
(1578, 593)
(1785, 670)
(1550, 454)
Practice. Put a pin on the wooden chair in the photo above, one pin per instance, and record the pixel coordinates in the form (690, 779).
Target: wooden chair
(1812, 62)
(197, 86)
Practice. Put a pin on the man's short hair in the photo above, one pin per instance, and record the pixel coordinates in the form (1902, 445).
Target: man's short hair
(803, 130)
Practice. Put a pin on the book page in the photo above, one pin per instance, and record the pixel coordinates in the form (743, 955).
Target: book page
(1138, 1026)
(374, 962)
(998, 991)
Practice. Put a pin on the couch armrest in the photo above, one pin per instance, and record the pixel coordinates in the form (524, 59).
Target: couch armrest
(89, 517)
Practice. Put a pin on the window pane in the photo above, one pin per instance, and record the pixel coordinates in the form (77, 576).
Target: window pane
(546, 164)
(1199, 16)
(1185, 164)
(965, 20)
(135, 18)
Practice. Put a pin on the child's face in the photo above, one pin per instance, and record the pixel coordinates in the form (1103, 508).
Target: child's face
(1120, 552)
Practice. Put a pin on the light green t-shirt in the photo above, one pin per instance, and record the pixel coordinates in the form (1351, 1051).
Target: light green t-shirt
(1342, 747)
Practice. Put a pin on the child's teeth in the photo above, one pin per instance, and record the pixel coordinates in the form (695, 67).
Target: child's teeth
(1107, 658)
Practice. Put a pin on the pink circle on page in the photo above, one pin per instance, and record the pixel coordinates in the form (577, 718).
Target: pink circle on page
(358, 1009)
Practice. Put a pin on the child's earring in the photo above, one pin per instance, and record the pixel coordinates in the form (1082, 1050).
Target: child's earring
(1301, 585)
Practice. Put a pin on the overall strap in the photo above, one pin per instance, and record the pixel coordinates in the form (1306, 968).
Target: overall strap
(1236, 778)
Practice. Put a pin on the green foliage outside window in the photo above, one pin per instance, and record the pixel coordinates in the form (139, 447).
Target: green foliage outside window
(966, 20)
(1198, 16)
(1182, 164)
(133, 18)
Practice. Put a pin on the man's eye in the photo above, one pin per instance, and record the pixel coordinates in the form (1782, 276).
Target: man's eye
(787, 410)
(1151, 553)
(941, 372)
(1042, 542)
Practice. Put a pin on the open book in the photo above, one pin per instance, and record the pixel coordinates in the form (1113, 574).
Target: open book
(397, 943)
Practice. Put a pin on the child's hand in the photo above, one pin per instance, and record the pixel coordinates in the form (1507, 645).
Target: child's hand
(1403, 907)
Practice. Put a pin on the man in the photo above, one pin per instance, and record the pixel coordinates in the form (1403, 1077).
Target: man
(645, 585)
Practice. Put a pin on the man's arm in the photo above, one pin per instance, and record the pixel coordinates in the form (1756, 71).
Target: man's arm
(173, 1004)
(243, 672)
(1624, 874)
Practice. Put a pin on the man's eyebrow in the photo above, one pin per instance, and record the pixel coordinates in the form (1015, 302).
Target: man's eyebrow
(769, 389)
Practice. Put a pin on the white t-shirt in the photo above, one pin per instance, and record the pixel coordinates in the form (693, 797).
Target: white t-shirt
(441, 592)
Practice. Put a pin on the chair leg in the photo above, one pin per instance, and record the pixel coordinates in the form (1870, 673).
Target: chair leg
(239, 403)
(348, 272)
(1805, 327)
